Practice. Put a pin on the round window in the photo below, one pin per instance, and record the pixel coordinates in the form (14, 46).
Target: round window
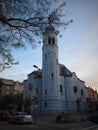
(30, 87)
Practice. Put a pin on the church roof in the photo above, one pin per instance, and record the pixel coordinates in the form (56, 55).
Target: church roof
(6, 81)
(64, 71)
(37, 73)
(50, 27)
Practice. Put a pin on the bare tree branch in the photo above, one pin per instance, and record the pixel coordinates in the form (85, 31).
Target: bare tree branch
(25, 20)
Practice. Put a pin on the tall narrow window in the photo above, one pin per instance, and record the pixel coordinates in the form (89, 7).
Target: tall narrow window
(82, 92)
(51, 75)
(53, 40)
(45, 104)
(49, 40)
(45, 56)
(45, 91)
(75, 89)
(61, 90)
(57, 61)
(36, 90)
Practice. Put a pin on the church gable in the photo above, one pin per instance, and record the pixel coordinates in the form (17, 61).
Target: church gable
(64, 71)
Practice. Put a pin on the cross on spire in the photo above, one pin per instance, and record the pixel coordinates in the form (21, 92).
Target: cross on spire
(49, 20)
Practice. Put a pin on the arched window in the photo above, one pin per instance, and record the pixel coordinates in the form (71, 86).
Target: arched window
(45, 91)
(45, 56)
(82, 92)
(53, 40)
(51, 75)
(45, 104)
(61, 90)
(57, 61)
(75, 89)
(49, 40)
(30, 87)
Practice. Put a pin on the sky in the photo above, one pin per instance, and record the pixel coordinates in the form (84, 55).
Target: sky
(78, 47)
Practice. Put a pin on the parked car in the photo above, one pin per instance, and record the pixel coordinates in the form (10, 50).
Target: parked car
(5, 115)
(21, 117)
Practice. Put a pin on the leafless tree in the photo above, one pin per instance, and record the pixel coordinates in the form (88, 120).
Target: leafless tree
(23, 21)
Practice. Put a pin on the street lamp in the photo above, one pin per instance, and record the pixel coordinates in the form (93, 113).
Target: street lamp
(35, 67)
(36, 97)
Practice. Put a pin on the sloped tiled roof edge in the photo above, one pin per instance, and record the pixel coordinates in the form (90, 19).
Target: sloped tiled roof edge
(64, 71)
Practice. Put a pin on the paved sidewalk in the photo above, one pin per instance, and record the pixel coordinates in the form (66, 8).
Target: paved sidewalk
(67, 126)
(49, 121)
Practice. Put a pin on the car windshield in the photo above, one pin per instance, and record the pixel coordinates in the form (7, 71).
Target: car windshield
(20, 113)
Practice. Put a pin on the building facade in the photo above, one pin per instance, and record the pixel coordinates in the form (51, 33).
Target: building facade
(93, 95)
(54, 88)
(8, 87)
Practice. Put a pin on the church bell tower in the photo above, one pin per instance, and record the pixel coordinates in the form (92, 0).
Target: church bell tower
(50, 71)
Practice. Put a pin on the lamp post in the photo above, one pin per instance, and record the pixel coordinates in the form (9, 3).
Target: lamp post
(36, 98)
(66, 102)
(35, 66)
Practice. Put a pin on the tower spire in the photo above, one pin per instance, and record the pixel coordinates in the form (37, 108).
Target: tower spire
(49, 20)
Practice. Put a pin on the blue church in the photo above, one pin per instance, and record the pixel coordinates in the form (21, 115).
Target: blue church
(54, 88)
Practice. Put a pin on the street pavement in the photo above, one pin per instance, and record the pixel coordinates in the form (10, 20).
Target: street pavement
(49, 126)
(49, 122)
(94, 127)
(86, 125)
